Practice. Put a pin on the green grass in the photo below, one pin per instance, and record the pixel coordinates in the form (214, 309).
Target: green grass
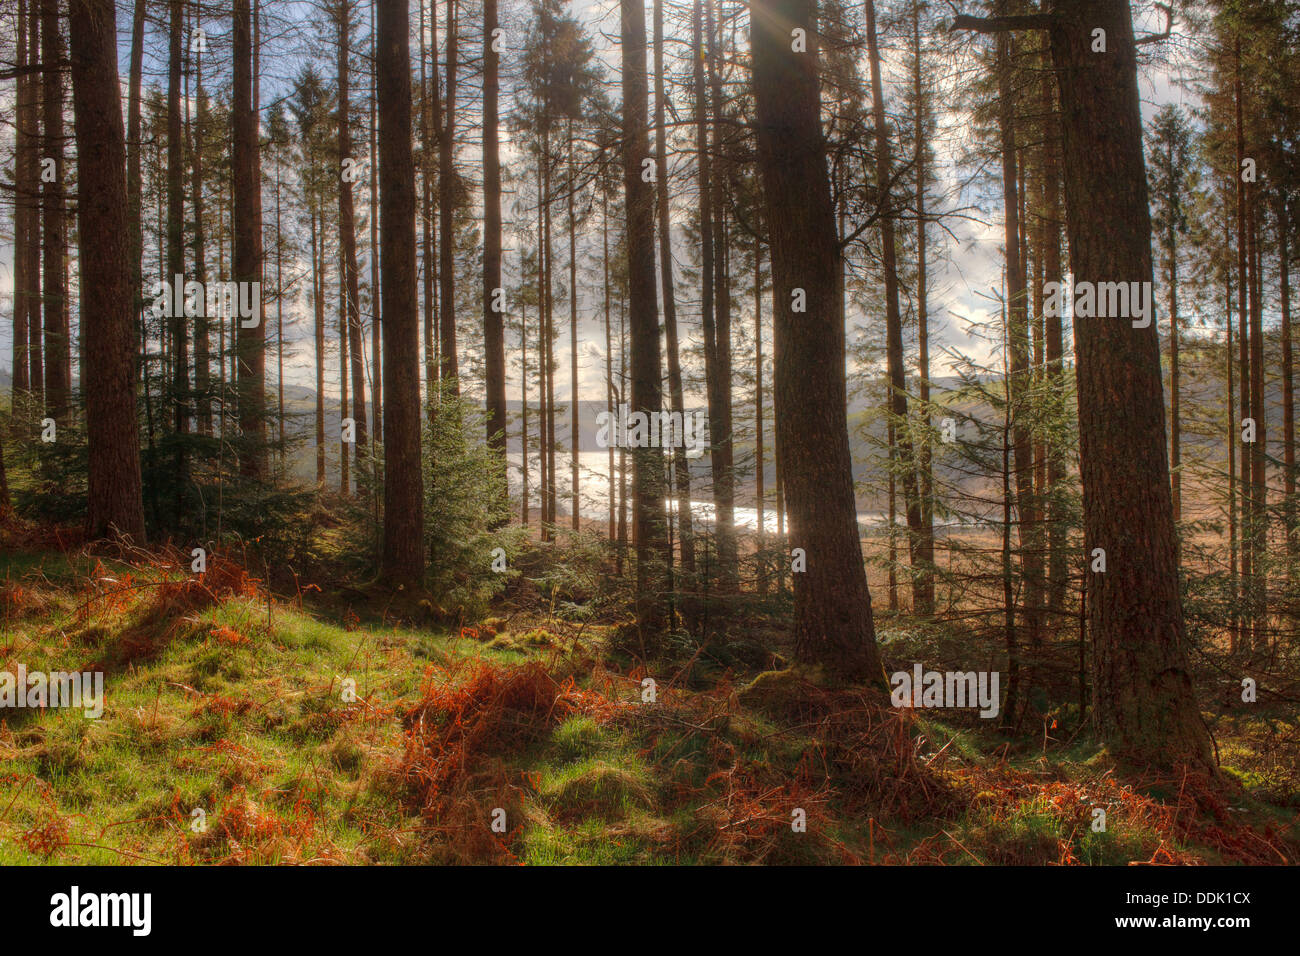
(243, 716)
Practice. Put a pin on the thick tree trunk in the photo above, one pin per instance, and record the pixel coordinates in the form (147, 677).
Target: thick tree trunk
(833, 620)
(403, 470)
(107, 302)
(649, 526)
(1144, 702)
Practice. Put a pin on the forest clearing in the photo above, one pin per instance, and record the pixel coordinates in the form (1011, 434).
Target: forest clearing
(648, 432)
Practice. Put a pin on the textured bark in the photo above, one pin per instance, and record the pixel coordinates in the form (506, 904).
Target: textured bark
(925, 540)
(25, 179)
(376, 363)
(1288, 384)
(1053, 333)
(1144, 703)
(648, 519)
(180, 383)
(403, 558)
(923, 581)
(494, 339)
(250, 343)
(1018, 349)
(54, 288)
(446, 213)
(35, 333)
(571, 188)
(202, 359)
(114, 477)
(718, 334)
(135, 248)
(833, 620)
(318, 303)
(349, 283)
(676, 395)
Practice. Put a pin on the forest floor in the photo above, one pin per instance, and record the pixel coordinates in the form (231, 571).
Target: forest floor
(241, 728)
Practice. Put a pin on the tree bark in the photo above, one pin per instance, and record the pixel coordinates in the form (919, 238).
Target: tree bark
(250, 341)
(403, 558)
(350, 285)
(649, 526)
(833, 621)
(923, 579)
(114, 495)
(1144, 703)
(446, 212)
(54, 289)
(494, 341)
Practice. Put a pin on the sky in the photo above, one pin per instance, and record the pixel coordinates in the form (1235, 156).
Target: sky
(963, 281)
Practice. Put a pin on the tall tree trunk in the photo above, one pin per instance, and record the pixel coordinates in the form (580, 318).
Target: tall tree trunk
(318, 302)
(24, 234)
(609, 352)
(718, 338)
(430, 118)
(1288, 388)
(107, 303)
(676, 393)
(403, 469)
(922, 581)
(350, 285)
(1054, 347)
(1259, 492)
(494, 340)
(180, 384)
(1175, 383)
(1018, 348)
(376, 359)
(649, 525)
(446, 210)
(574, 443)
(35, 332)
(1233, 440)
(833, 620)
(1245, 288)
(202, 359)
(54, 290)
(1144, 703)
(250, 341)
(925, 542)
